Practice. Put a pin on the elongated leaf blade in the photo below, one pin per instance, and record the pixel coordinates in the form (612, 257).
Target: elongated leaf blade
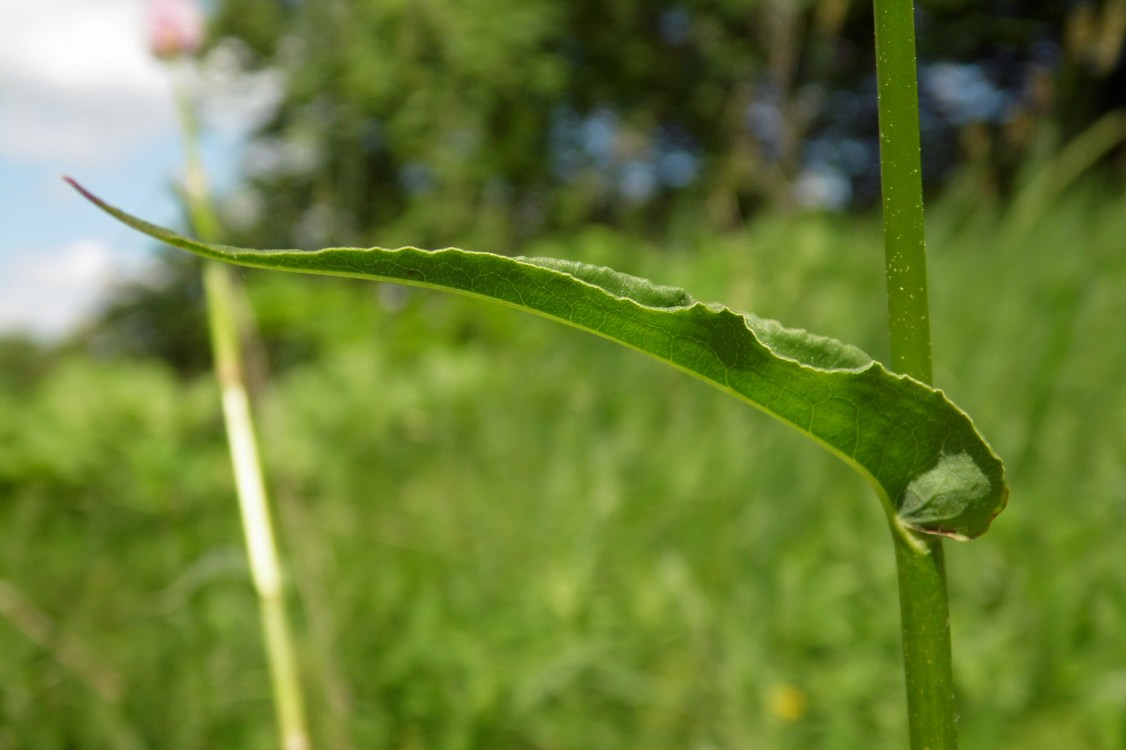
(930, 467)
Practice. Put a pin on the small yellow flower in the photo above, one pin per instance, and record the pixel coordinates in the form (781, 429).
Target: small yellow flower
(787, 702)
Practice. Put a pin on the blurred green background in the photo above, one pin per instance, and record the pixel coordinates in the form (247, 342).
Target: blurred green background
(500, 533)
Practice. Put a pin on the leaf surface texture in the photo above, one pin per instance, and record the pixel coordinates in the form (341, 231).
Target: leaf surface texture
(921, 453)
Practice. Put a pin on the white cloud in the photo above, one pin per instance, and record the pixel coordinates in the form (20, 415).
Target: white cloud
(80, 94)
(77, 79)
(79, 83)
(46, 294)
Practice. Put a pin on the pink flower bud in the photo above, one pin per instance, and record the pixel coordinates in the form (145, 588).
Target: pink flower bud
(175, 27)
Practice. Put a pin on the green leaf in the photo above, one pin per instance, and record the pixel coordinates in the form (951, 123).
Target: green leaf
(933, 471)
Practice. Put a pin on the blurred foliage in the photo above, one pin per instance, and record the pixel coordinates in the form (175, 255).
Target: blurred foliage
(23, 361)
(489, 125)
(502, 534)
(161, 317)
(505, 534)
(447, 122)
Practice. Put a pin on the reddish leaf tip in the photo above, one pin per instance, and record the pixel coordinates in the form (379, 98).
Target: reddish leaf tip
(83, 191)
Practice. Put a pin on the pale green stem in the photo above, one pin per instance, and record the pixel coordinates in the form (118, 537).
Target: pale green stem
(924, 609)
(254, 506)
(225, 308)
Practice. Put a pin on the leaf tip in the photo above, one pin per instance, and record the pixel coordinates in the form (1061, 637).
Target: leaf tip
(82, 191)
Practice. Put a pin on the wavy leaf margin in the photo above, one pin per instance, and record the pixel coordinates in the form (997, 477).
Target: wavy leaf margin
(931, 468)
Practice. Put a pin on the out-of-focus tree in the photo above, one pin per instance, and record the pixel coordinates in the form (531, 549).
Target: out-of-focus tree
(23, 360)
(438, 121)
(161, 317)
(450, 118)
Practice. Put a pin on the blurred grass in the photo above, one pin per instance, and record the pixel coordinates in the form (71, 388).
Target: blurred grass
(506, 534)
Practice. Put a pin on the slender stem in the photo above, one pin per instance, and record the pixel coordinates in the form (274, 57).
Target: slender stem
(225, 309)
(254, 506)
(927, 659)
(924, 609)
(197, 195)
(902, 184)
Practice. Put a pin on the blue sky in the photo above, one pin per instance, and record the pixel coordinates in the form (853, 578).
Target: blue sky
(81, 96)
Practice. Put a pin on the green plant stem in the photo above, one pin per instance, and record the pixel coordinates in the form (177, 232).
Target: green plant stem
(927, 659)
(265, 569)
(924, 609)
(196, 193)
(226, 309)
(901, 180)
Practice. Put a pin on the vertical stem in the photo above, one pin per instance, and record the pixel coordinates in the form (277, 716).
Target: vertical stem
(924, 609)
(902, 183)
(225, 310)
(196, 193)
(927, 659)
(254, 506)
